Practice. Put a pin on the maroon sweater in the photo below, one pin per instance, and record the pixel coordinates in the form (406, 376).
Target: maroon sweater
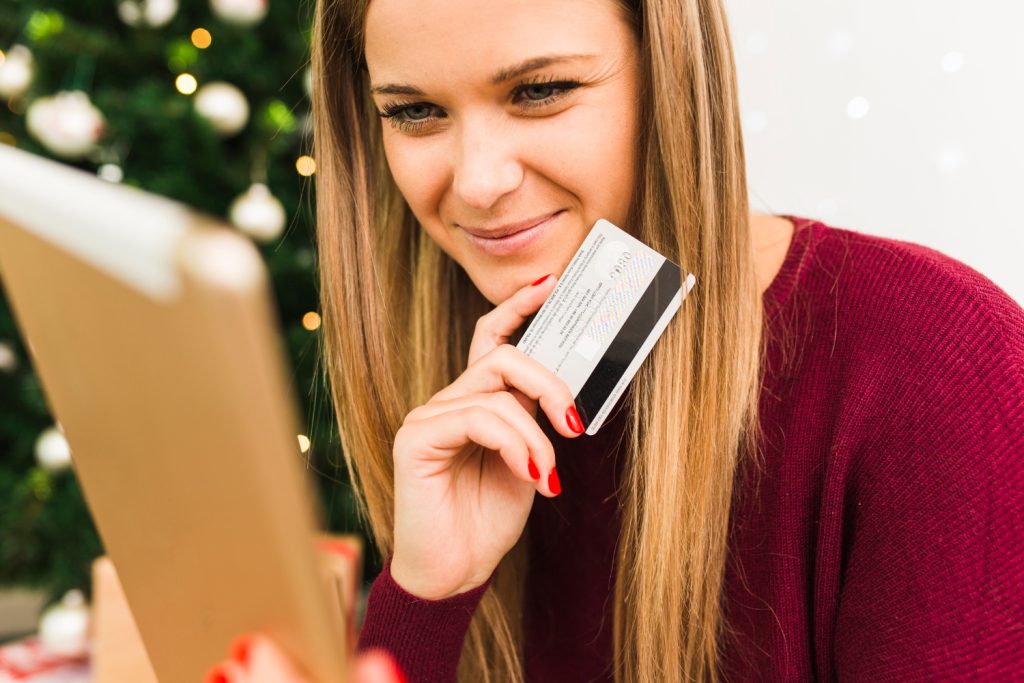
(884, 541)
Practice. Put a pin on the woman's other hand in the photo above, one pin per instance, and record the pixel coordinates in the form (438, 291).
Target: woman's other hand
(469, 461)
(257, 659)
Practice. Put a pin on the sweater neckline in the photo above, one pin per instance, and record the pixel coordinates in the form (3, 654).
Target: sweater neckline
(780, 288)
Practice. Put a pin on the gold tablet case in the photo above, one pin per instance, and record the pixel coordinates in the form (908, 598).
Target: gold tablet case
(153, 335)
(118, 654)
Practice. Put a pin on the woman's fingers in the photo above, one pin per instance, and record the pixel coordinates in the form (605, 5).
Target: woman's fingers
(255, 658)
(377, 666)
(507, 407)
(508, 367)
(496, 365)
(495, 328)
(267, 656)
(450, 431)
(228, 671)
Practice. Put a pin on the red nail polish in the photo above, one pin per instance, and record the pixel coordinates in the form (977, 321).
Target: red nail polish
(542, 279)
(240, 650)
(534, 472)
(573, 418)
(217, 675)
(399, 674)
(553, 483)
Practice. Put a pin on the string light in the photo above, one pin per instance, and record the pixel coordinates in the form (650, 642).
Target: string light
(201, 38)
(305, 165)
(303, 443)
(186, 83)
(2, 57)
(311, 321)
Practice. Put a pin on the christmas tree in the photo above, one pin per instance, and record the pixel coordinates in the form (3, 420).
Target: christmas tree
(202, 101)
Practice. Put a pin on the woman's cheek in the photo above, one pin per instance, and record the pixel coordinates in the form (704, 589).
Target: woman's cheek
(587, 155)
(413, 167)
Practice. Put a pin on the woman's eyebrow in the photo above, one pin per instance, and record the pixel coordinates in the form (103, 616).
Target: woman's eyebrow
(506, 74)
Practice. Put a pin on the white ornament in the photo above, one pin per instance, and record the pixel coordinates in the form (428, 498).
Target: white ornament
(224, 106)
(8, 359)
(67, 123)
(149, 12)
(258, 213)
(111, 173)
(53, 452)
(159, 12)
(64, 628)
(16, 71)
(240, 12)
(130, 12)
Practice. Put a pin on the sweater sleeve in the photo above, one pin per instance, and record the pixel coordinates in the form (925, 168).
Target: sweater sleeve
(424, 636)
(933, 572)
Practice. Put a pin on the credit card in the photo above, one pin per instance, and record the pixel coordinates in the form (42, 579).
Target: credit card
(614, 300)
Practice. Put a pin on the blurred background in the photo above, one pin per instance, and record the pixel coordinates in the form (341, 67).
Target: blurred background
(902, 120)
(206, 102)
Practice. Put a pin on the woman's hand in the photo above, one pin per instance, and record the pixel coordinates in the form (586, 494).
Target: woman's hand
(257, 659)
(469, 461)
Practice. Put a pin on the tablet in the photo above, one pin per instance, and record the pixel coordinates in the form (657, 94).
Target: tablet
(152, 330)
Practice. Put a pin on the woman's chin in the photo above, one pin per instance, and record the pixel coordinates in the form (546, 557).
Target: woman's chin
(497, 288)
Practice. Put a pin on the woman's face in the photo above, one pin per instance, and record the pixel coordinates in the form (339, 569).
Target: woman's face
(502, 112)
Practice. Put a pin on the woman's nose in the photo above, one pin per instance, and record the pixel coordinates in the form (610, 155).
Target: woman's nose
(486, 166)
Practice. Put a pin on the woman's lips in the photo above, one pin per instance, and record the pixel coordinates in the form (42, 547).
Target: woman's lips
(502, 246)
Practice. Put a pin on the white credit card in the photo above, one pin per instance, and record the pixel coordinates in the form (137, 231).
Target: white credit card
(613, 302)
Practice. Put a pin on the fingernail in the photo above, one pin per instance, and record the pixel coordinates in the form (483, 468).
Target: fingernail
(399, 674)
(240, 650)
(553, 483)
(217, 675)
(534, 472)
(573, 418)
(542, 279)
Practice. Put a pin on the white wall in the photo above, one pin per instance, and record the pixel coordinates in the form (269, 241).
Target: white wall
(902, 119)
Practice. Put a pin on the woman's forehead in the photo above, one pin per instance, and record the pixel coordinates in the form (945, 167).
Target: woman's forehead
(421, 40)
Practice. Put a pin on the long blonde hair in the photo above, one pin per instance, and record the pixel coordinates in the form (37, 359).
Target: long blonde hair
(394, 305)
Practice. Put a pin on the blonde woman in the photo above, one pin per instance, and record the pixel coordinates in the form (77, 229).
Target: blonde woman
(816, 475)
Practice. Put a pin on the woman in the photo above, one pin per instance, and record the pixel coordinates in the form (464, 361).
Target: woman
(816, 473)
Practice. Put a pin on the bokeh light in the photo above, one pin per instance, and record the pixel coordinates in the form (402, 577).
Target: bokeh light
(305, 165)
(311, 321)
(201, 38)
(186, 83)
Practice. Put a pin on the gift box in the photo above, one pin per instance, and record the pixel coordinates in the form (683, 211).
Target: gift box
(118, 652)
(27, 659)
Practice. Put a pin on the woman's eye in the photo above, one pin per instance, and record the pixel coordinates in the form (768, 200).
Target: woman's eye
(412, 117)
(408, 117)
(542, 90)
(418, 111)
(536, 94)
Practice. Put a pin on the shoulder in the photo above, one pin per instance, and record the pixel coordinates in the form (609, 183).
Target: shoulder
(916, 350)
(927, 453)
(909, 295)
